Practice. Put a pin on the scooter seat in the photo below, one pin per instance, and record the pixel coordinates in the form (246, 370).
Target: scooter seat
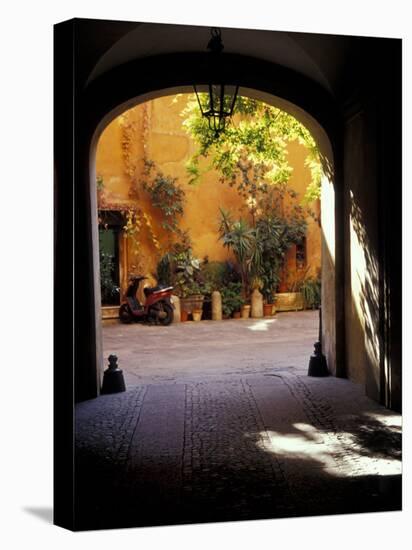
(150, 289)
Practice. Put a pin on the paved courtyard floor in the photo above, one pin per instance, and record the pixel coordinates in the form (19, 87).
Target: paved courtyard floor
(220, 422)
(225, 348)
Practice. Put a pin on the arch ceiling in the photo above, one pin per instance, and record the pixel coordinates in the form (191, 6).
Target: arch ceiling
(305, 54)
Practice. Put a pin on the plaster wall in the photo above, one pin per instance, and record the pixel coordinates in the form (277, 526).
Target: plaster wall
(328, 273)
(154, 130)
(361, 251)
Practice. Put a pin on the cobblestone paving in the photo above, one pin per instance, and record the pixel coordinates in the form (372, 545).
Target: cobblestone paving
(226, 475)
(233, 449)
(263, 441)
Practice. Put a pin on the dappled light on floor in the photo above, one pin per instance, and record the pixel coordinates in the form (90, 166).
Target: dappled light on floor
(341, 454)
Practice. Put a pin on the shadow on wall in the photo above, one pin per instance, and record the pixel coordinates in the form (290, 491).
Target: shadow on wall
(364, 325)
(327, 167)
(363, 307)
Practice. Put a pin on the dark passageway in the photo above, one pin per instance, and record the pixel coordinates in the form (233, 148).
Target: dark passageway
(236, 432)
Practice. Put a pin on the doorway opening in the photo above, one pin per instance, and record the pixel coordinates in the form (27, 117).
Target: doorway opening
(170, 204)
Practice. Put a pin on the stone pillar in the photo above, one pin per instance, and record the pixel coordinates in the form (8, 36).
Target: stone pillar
(216, 306)
(256, 310)
(176, 311)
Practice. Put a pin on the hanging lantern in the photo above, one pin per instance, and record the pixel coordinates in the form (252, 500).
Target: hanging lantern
(218, 103)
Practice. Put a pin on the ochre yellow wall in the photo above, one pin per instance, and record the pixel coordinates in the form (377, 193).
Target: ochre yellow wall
(154, 129)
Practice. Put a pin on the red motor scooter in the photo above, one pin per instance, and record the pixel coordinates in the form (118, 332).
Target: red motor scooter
(158, 307)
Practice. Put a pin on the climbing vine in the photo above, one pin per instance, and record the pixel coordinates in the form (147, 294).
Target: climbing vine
(130, 136)
(166, 195)
(135, 217)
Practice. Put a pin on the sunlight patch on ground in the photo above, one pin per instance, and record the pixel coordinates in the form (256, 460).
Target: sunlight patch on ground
(394, 421)
(338, 454)
(262, 324)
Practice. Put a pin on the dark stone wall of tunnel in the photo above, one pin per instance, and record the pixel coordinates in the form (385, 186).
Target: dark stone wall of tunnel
(373, 217)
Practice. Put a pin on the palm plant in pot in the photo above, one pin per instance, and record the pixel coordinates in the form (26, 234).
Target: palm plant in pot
(238, 236)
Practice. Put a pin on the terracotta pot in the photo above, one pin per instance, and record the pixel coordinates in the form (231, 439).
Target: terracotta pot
(245, 311)
(192, 302)
(236, 315)
(267, 310)
(184, 315)
(197, 315)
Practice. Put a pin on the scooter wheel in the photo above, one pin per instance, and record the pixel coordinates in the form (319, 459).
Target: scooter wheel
(165, 321)
(124, 314)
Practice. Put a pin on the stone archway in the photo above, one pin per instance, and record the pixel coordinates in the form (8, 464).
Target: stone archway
(314, 108)
(358, 112)
(354, 94)
(328, 229)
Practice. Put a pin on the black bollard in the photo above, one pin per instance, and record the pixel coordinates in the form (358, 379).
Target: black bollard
(317, 361)
(113, 381)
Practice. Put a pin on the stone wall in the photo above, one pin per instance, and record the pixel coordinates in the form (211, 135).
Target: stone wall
(362, 292)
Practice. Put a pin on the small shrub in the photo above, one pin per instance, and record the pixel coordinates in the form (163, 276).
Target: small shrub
(231, 298)
(217, 275)
(109, 289)
(311, 290)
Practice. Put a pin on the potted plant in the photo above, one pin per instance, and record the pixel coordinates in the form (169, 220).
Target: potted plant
(270, 279)
(292, 299)
(179, 268)
(190, 295)
(268, 305)
(240, 238)
(311, 291)
(232, 299)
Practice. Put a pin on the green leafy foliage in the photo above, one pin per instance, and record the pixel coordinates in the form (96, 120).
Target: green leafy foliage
(180, 269)
(165, 194)
(238, 236)
(251, 154)
(107, 286)
(260, 250)
(217, 275)
(232, 299)
(163, 271)
(311, 290)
